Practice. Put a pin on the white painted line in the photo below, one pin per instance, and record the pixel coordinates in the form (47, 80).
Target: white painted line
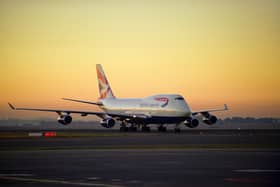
(57, 181)
(94, 178)
(16, 175)
(35, 134)
(257, 170)
(134, 181)
(116, 180)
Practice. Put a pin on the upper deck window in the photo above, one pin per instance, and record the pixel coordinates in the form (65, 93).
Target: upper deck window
(179, 98)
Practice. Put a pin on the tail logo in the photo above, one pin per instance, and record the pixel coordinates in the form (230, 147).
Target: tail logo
(104, 87)
(164, 101)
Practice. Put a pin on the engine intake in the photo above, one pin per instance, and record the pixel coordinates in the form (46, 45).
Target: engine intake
(64, 119)
(108, 123)
(191, 122)
(210, 120)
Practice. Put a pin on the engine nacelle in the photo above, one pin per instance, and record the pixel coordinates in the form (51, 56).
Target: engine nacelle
(210, 120)
(191, 122)
(64, 119)
(108, 123)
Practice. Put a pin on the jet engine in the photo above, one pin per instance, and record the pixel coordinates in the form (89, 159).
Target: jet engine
(64, 119)
(191, 122)
(108, 122)
(209, 119)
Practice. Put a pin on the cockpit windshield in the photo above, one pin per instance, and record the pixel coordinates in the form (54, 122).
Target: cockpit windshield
(179, 98)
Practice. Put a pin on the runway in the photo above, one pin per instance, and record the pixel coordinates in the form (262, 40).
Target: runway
(140, 168)
(103, 140)
(142, 159)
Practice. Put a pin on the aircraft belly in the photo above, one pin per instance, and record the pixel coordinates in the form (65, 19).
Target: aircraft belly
(152, 116)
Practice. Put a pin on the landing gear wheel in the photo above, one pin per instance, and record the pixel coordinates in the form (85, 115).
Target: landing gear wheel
(122, 129)
(177, 130)
(132, 129)
(146, 129)
(162, 129)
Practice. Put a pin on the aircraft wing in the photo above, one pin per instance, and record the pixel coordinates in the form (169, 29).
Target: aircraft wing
(210, 110)
(84, 113)
(60, 111)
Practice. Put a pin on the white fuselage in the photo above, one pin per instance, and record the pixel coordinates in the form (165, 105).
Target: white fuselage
(164, 105)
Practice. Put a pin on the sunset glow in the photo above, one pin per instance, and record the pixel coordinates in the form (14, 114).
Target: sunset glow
(211, 52)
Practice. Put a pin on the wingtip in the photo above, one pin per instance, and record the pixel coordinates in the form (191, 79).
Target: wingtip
(67, 99)
(11, 106)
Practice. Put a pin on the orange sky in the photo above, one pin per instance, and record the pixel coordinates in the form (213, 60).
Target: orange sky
(211, 52)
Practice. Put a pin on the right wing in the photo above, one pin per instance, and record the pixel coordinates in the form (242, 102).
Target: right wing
(210, 110)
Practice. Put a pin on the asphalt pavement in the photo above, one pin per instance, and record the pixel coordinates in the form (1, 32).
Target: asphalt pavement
(142, 159)
(113, 168)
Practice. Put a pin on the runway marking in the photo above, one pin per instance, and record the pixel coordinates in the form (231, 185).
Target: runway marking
(94, 178)
(56, 181)
(16, 175)
(116, 180)
(246, 180)
(257, 170)
(134, 181)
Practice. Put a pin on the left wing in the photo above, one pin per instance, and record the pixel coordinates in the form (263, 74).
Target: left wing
(210, 110)
(102, 115)
(60, 112)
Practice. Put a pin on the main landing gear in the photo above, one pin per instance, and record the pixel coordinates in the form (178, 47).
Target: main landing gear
(128, 129)
(161, 128)
(145, 129)
(177, 130)
(124, 128)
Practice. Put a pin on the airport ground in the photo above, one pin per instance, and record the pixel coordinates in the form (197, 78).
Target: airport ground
(101, 158)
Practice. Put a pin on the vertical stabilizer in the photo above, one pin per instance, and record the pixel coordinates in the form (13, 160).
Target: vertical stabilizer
(105, 90)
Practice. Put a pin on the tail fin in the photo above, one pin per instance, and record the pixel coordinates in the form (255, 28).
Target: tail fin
(105, 90)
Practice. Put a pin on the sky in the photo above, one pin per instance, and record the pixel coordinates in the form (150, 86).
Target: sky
(211, 52)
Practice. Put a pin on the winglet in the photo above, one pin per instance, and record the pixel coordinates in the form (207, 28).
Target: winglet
(11, 106)
(226, 107)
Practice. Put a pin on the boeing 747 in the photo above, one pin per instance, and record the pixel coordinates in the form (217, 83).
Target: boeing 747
(161, 109)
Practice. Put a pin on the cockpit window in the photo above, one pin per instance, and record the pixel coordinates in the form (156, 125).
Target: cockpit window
(179, 98)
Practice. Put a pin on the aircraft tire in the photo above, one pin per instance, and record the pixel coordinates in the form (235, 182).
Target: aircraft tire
(146, 129)
(122, 129)
(177, 130)
(161, 129)
(132, 129)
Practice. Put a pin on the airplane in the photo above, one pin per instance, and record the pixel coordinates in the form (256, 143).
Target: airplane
(134, 114)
